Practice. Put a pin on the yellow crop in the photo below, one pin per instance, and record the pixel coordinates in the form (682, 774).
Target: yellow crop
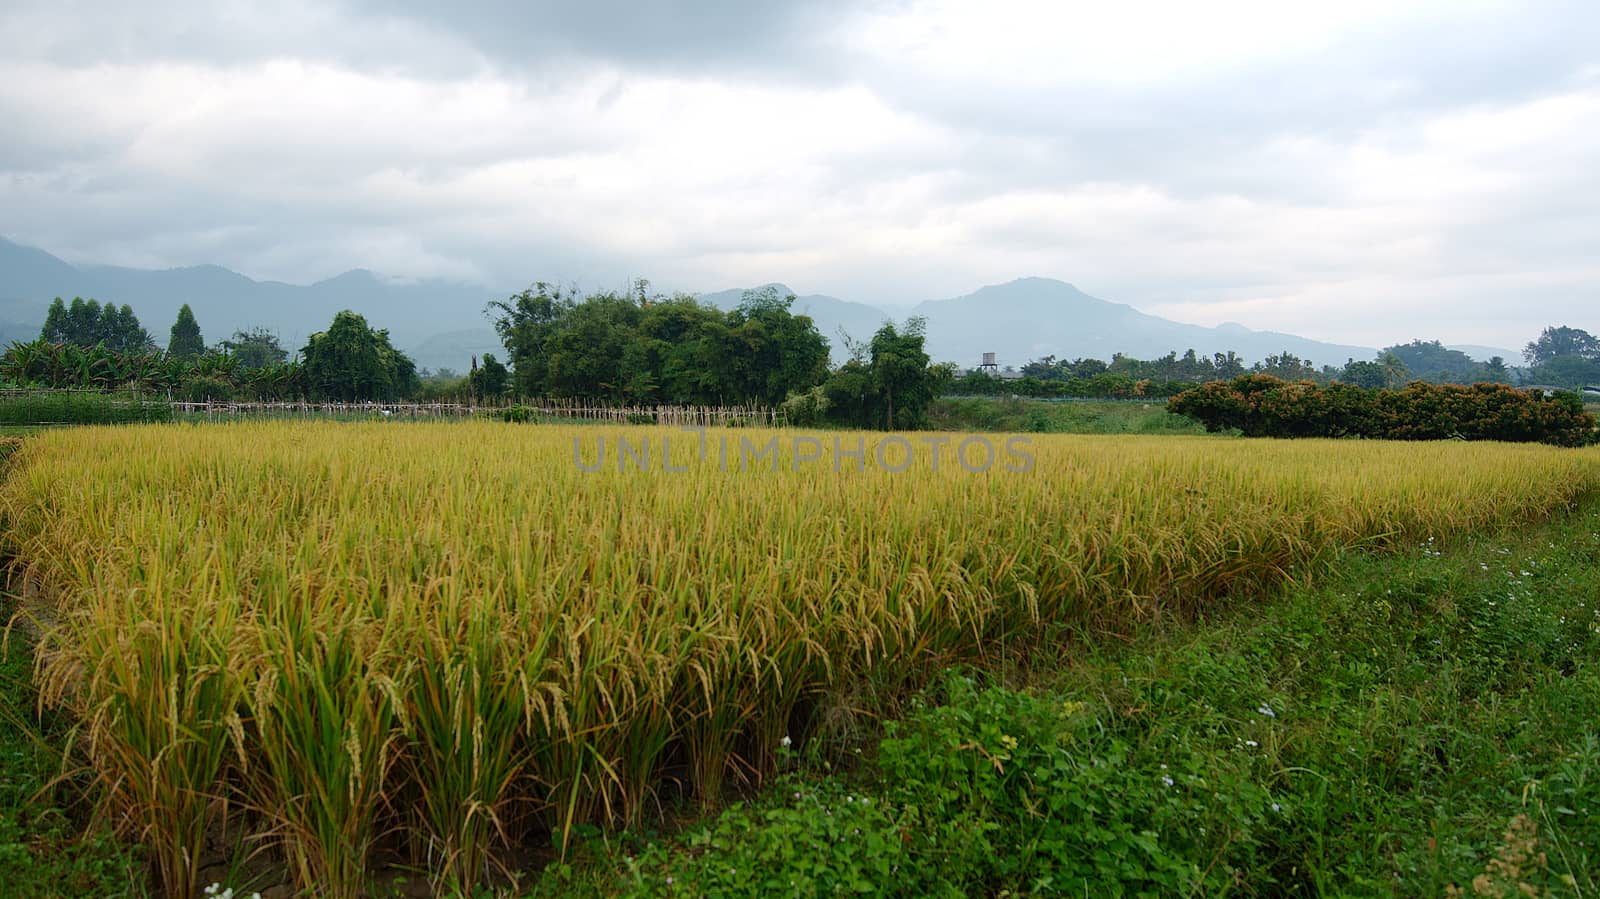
(453, 633)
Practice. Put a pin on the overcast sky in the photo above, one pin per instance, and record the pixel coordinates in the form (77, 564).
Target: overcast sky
(1366, 172)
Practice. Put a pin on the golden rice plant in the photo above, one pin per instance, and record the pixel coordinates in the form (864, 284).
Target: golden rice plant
(455, 639)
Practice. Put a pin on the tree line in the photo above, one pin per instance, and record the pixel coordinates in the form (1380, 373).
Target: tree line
(633, 348)
(87, 345)
(1562, 357)
(637, 348)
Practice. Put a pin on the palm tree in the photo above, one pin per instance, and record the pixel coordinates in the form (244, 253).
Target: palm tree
(1395, 372)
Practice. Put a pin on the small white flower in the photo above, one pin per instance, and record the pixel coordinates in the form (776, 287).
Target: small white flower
(1251, 743)
(1276, 807)
(1267, 710)
(785, 742)
(1166, 780)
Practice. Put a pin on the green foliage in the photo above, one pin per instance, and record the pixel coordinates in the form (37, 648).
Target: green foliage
(1264, 406)
(1430, 360)
(46, 849)
(808, 409)
(1046, 417)
(887, 384)
(1421, 724)
(1189, 368)
(1564, 357)
(87, 324)
(185, 341)
(1371, 375)
(351, 361)
(1558, 342)
(256, 348)
(643, 349)
(219, 375)
(986, 791)
(78, 407)
(206, 389)
(490, 380)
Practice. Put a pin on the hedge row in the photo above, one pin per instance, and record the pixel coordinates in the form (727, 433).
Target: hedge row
(81, 407)
(1264, 406)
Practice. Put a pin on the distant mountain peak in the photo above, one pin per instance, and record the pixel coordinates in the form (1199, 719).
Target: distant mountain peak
(1021, 320)
(353, 276)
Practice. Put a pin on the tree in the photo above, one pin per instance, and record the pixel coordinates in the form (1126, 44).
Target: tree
(1554, 343)
(1395, 372)
(899, 372)
(185, 341)
(351, 361)
(785, 353)
(491, 378)
(1364, 374)
(639, 348)
(1495, 371)
(256, 348)
(525, 323)
(55, 323)
(1430, 360)
(87, 324)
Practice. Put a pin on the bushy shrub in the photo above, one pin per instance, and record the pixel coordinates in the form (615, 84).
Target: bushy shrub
(808, 409)
(1265, 406)
(206, 390)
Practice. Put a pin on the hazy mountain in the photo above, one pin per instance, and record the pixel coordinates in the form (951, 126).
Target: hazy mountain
(454, 349)
(1034, 317)
(224, 301)
(442, 324)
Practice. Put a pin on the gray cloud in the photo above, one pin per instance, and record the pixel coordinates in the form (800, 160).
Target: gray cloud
(1429, 163)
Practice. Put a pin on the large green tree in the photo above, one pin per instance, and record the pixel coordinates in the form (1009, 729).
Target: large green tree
(525, 323)
(887, 383)
(185, 341)
(351, 361)
(1430, 360)
(1556, 342)
(489, 380)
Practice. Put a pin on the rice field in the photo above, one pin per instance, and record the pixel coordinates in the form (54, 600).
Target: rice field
(442, 644)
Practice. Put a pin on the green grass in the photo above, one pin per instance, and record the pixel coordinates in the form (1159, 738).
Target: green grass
(1424, 721)
(47, 846)
(1063, 417)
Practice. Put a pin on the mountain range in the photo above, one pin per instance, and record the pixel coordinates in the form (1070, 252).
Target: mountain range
(442, 325)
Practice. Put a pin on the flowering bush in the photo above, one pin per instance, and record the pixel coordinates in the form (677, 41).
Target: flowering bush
(1264, 406)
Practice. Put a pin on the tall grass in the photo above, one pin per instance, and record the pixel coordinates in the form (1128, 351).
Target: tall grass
(449, 640)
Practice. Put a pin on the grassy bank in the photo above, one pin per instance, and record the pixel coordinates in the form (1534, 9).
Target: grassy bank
(1422, 723)
(50, 846)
